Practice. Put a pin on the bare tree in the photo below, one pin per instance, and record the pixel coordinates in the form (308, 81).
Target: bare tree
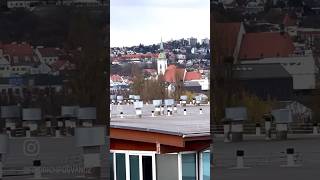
(88, 82)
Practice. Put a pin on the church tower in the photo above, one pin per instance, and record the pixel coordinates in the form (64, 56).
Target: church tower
(162, 63)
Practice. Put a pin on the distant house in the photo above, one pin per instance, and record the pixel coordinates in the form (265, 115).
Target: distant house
(265, 80)
(19, 83)
(42, 68)
(20, 3)
(302, 69)
(21, 58)
(4, 67)
(150, 72)
(193, 86)
(48, 55)
(309, 35)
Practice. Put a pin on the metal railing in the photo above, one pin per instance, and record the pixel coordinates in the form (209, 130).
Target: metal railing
(250, 128)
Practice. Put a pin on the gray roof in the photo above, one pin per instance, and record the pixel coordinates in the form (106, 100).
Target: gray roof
(260, 71)
(191, 83)
(190, 125)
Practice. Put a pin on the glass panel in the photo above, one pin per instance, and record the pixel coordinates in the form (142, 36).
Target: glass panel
(188, 166)
(147, 167)
(111, 166)
(206, 165)
(121, 166)
(134, 167)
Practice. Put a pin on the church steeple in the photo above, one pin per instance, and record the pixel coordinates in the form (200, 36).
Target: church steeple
(161, 45)
(162, 60)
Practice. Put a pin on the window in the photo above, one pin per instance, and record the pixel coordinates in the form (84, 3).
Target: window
(121, 166)
(147, 167)
(205, 165)
(111, 166)
(134, 167)
(188, 166)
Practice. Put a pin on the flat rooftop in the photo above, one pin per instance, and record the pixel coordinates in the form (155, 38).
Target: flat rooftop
(265, 159)
(59, 156)
(191, 125)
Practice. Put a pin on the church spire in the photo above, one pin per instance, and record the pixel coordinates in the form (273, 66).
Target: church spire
(161, 45)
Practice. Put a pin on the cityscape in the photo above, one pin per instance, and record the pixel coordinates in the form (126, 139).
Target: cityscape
(266, 84)
(197, 90)
(53, 122)
(160, 92)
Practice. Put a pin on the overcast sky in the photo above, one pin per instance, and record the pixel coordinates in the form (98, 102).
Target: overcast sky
(146, 21)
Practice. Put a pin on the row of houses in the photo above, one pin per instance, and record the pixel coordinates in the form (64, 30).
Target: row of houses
(28, 4)
(18, 59)
(265, 48)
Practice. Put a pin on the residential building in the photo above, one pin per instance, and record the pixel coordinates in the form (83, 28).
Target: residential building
(309, 36)
(205, 41)
(302, 69)
(48, 55)
(265, 80)
(19, 83)
(193, 41)
(5, 69)
(21, 3)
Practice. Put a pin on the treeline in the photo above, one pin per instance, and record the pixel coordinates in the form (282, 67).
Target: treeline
(44, 26)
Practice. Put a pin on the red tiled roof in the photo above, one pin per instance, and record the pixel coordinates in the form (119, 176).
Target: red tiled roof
(139, 56)
(266, 45)
(193, 76)
(58, 64)
(151, 71)
(50, 52)
(172, 72)
(116, 78)
(20, 50)
(227, 36)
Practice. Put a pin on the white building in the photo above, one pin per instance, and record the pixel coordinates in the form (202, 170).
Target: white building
(48, 55)
(4, 67)
(302, 69)
(192, 41)
(162, 62)
(205, 41)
